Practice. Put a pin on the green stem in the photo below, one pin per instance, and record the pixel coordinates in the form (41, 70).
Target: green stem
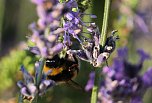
(102, 43)
(94, 94)
(105, 22)
(39, 76)
(2, 7)
(95, 87)
(20, 98)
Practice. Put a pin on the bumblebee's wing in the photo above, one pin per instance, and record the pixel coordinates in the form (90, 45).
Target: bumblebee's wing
(74, 85)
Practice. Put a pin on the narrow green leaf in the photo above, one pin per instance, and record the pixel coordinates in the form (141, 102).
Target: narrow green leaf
(20, 98)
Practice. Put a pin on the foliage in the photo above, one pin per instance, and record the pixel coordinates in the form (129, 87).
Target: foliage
(10, 65)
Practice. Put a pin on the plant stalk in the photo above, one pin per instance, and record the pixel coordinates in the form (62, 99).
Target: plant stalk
(102, 43)
(105, 23)
(39, 76)
(95, 87)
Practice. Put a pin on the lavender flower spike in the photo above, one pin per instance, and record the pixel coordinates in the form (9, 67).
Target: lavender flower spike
(29, 89)
(56, 20)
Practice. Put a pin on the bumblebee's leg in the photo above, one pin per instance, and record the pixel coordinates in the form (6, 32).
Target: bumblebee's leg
(107, 63)
(75, 85)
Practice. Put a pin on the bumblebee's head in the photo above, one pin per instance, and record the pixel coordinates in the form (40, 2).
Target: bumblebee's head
(62, 69)
(55, 62)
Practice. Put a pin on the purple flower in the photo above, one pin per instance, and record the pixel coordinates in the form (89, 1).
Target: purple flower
(147, 78)
(140, 23)
(38, 2)
(91, 49)
(136, 100)
(46, 46)
(29, 89)
(143, 55)
(122, 81)
(72, 4)
(58, 23)
(56, 20)
(90, 81)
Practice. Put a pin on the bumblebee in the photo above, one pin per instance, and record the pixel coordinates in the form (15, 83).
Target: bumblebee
(63, 70)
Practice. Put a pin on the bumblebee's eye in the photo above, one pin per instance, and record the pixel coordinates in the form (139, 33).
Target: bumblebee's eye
(51, 63)
(48, 61)
(54, 62)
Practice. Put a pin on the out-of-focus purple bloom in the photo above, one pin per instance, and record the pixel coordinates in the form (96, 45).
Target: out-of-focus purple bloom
(90, 82)
(128, 69)
(137, 99)
(123, 52)
(29, 89)
(147, 78)
(140, 23)
(135, 19)
(143, 55)
(122, 81)
(38, 2)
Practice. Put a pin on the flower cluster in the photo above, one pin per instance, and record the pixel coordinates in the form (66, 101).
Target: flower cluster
(57, 23)
(31, 87)
(92, 51)
(122, 81)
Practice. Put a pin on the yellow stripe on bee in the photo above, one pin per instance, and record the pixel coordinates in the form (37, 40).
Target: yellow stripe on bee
(54, 71)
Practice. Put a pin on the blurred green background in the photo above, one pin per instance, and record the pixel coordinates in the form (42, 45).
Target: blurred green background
(132, 19)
